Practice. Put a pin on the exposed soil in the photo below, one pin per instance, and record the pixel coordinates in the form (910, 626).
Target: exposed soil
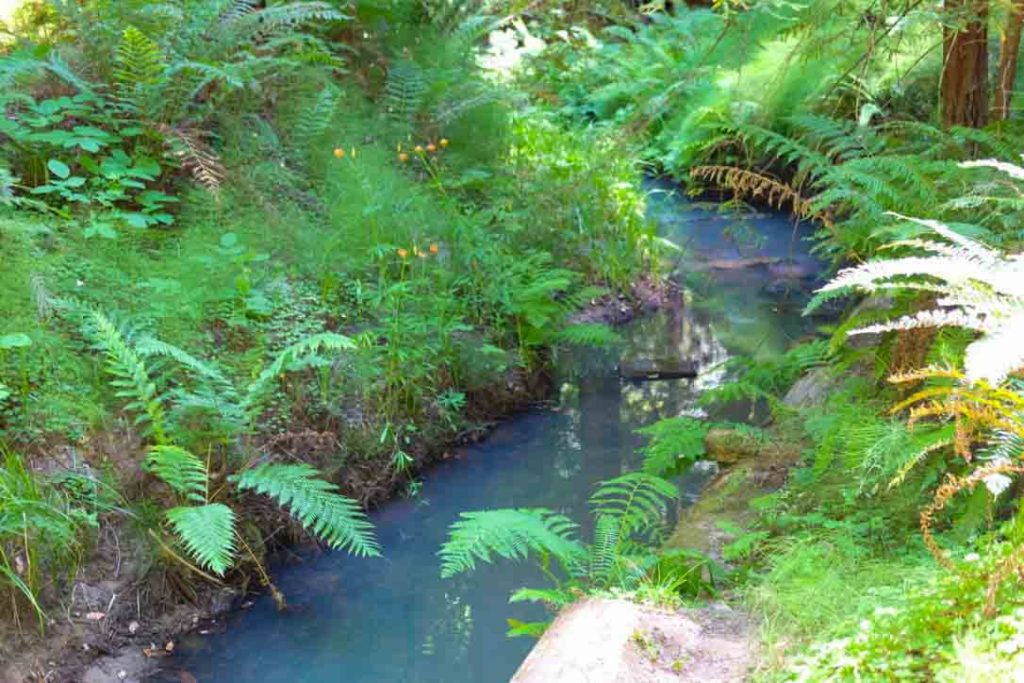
(122, 612)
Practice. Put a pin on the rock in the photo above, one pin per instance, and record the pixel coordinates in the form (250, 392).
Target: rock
(811, 389)
(131, 666)
(728, 446)
(600, 640)
(657, 368)
(742, 263)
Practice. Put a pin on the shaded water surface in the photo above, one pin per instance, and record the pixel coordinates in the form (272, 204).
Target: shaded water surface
(394, 619)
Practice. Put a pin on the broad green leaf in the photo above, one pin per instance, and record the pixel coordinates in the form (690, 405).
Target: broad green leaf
(58, 168)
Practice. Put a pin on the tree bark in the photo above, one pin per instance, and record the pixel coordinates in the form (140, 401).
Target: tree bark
(1009, 47)
(965, 63)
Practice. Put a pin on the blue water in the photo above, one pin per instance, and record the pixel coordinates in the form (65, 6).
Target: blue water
(394, 619)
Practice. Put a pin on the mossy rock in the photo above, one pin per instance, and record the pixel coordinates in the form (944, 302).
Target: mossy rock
(729, 446)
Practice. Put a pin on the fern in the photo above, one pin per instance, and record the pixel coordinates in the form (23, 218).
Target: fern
(636, 501)
(138, 60)
(305, 353)
(509, 534)
(131, 377)
(315, 120)
(208, 533)
(587, 334)
(404, 91)
(195, 156)
(179, 469)
(674, 441)
(335, 519)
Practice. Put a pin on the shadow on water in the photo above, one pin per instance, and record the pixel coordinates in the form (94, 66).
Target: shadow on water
(394, 619)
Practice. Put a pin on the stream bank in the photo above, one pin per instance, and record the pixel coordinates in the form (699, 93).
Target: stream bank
(394, 619)
(122, 620)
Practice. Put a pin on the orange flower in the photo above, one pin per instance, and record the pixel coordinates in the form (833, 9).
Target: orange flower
(339, 152)
(403, 253)
(433, 249)
(443, 142)
(403, 157)
(431, 147)
(418, 149)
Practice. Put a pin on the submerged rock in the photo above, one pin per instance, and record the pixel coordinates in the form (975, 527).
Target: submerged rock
(657, 368)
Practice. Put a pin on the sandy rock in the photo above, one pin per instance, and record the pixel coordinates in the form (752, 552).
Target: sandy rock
(615, 641)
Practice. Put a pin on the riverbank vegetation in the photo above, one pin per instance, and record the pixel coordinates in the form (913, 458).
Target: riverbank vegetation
(288, 250)
(269, 251)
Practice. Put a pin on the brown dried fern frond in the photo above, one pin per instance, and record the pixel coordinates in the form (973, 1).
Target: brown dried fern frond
(746, 183)
(195, 156)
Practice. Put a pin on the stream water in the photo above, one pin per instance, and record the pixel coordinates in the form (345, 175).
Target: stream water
(394, 619)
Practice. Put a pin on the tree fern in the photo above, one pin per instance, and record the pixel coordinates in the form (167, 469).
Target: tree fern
(179, 469)
(510, 534)
(335, 519)
(208, 533)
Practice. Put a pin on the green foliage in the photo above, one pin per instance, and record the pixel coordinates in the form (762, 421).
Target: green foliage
(508, 534)
(628, 511)
(208, 533)
(42, 535)
(675, 443)
(179, 469)
(335, 519)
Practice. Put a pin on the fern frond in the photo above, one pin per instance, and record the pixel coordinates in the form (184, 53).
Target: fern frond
(131, 377)
(297, 356)
(747, 184)
(636, 500)
(208, 533)
(511, 534)
(138, 61)
(195, 156)
(336, 520)
(315, 119)
(179, 469)
(404, 90)
(604, 552)
(587, 334)
(673, 441)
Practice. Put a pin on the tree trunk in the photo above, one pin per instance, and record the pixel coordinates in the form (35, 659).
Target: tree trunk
(965, 63)
(1009, 46)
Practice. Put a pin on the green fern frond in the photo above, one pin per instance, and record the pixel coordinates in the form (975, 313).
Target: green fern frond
(674, 442)
(336, 520)
(139, 66)
(404, 90)
(300, 355)
(604, 552)
(208, 534)
(551, 597)
(131, 377)
(511, 534)
(636, 500)
(587, 334)
(246, 26)
(179, 469)
(315, 120)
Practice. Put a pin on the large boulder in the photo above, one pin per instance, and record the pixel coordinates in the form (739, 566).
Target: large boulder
(601, 640)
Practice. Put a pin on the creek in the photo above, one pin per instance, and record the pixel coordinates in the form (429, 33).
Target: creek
(395, 619)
